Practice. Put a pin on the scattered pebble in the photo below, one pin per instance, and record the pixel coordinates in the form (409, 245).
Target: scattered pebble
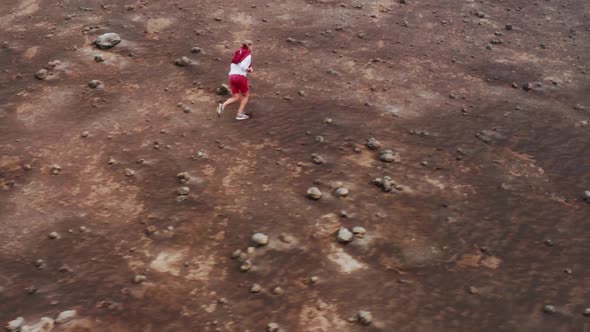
(314, 193)
(196, 50)
(138, 279)
(549, 309)
(260, 239)
(587, 312)
(98, 58)
(373, 144)
(364, 317)
(256, 288)
(85, 134)
(182, 62)
(55, 169)
(223, 90)
(359, 231)
(344, 235)
(317, 159)
(328, 121)
(41, 74)
(107, 40)
(129, 172)
(94, 84)
(54, 236)
(272, 327)
(66, 316)
(587, 196)
(183, 191)
(473, 290)
(246, 266)
(389, 156)
(341, 192)
(183, 177)
(15, 324)
(277, 290)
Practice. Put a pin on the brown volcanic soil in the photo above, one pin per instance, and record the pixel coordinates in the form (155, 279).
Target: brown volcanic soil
(475, 214)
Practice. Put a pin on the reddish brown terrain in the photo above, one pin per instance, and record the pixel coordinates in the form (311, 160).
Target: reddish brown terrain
(486, 227)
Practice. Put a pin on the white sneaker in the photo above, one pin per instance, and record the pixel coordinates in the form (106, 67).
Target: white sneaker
(242, 117)
(219, 109)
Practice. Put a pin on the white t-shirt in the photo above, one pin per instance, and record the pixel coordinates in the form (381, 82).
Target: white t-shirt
(242, 67)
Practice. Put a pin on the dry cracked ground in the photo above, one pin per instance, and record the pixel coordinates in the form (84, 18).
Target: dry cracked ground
(479, 221)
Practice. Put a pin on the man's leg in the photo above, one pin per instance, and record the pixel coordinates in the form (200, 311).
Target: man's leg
(243, 102)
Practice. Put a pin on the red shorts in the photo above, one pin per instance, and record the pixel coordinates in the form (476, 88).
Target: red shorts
(238, 84)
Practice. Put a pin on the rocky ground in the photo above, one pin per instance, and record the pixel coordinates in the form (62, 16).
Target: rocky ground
(409, 166)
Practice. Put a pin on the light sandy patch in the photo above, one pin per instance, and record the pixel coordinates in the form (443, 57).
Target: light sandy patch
(312, 319)
(169, 262)
(31, 52)
(157, 25)
(345, 262)
(201, 268)
(27, 7)
(36, 110)
(326, 226)
(365, 158)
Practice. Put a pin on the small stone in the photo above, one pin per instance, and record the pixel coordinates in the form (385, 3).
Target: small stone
(94, 84)
(272, 327)
(359, 231)
(328, 121)
(549, 243)
(236, 254)
(27, 167)
(55, 169)
(40, 264)
(586, 196)
(15, 324)
(66, 316)
(473, 290)
(277, 291)
(85, 134)
(222, 300)
(341, 192)
(317, 159)
(183, 191)
(549, 309)
(183, 177)
(111, 161)
(364, 317)
(54, 236)
(344, 235)
(256, 288)
(138, 279)
(314, 193)
(508, 27)
(31, 290)
(196, 50)
(128, 172)
(373, 144)
(150, 230)
(301, 93)
(579, 107)
(186, 109)
(98, 58)
(250, 251)
(319, 139)
(41, 74)
(314, 279)
(260, 239)
(586, 312)
(46, 324)
(107, 40)
(527, 86)
(286, 238)
(246, 266)
(182, 62)
(389, 156)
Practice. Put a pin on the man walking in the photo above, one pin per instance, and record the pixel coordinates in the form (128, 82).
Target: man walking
(241, 65)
